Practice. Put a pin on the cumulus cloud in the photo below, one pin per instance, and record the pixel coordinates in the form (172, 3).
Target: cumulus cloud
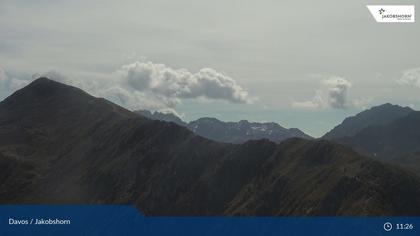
(181, 83)
(153, 86)
(410, 77)
(334, 95)
(337, 92)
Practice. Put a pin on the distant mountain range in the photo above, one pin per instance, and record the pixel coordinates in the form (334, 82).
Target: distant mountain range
(230, 132)
(60, 145)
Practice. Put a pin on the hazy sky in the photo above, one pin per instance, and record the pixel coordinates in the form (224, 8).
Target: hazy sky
(305, 64)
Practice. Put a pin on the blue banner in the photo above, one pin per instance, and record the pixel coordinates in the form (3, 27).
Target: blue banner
(127, 220)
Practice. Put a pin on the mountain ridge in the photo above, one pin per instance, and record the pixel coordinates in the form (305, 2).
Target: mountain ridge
(230, 132)
(388, 133)
(397, 142)
(378, 115)
(69, 147)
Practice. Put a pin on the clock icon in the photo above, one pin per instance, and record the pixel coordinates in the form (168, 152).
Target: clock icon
(387, 226)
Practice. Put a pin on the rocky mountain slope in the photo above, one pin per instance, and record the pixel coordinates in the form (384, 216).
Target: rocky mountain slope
(375, 116)
(397, 142)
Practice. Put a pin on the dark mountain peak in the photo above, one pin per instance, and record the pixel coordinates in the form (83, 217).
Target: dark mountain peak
(389, 106)
(44, 80)
(385, 105)
(44, 88)
(44, 96)
(375, 116)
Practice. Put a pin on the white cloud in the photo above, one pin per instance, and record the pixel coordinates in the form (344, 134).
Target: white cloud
(337, 92)
(171, 83)
(334, 95)
(410, 77)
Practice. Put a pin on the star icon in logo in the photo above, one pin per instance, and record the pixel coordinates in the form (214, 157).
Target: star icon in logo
(381, 11)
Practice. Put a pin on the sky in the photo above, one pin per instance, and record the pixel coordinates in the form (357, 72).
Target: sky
(305, 64)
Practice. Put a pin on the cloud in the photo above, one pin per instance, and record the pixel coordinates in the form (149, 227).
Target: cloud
(334, 95)
(153, 86)
(337, 92)
(316, 102)
(410, 77)
(182, 84)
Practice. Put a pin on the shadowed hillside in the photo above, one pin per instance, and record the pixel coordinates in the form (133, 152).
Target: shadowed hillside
(397, 142)
(375, 116)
